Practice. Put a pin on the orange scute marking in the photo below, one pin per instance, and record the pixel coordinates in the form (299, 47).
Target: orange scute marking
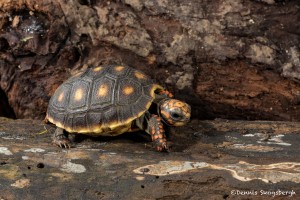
(139, 75)
(97, 69)
(102, 91)
(60, 97)
(78, 94)
(119, 68)
(128, 90)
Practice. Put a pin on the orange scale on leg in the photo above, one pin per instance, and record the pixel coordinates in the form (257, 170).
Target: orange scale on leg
(152, 131)
(155, 137)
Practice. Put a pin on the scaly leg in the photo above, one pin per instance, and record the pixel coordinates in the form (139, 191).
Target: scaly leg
(166, 93)
(60, 139)
(157, 132)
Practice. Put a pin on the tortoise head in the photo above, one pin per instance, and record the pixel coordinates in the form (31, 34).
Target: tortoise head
(175, 112)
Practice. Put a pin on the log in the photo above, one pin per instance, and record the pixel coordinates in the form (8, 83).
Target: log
(217, 159)
(229, 59)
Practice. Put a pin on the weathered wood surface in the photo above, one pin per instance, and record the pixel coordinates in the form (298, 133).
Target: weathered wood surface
(227, 58)
(207, 160)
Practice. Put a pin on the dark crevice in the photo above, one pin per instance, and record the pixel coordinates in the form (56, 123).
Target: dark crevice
(5, 109)
(3, 44)
(87, 2)
(3, 163)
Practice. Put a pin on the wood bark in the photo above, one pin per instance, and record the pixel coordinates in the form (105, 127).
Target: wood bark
(227, 58)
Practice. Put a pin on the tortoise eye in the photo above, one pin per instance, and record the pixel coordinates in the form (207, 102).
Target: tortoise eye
(175, 115)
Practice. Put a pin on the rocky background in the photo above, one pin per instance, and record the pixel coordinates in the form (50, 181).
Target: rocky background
(228, 58)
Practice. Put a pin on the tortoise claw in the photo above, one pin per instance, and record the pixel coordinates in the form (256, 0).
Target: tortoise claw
(64, 144)
(67, 146)
(162, 148)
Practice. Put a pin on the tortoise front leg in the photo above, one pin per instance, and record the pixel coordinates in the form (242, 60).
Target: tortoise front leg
(157, 132)
(61, 139)
(166, 93)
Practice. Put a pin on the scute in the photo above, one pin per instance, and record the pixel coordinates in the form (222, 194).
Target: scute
(103, 93)
(79, 96)
(101, 99)
(125, 113)
(118, 71)
(129, 92)
(61, 97)
(79, 121)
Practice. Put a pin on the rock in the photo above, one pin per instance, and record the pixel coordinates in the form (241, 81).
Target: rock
(261, 54)
(219, 159)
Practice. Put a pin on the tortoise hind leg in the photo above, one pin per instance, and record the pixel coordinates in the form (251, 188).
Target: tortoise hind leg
(60, 138)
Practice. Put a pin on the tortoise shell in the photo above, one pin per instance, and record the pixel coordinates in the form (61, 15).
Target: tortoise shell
(101, 100)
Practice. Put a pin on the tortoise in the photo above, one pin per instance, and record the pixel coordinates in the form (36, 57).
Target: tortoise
(109, 100)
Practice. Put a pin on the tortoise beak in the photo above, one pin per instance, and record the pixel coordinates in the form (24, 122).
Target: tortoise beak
(180, 123)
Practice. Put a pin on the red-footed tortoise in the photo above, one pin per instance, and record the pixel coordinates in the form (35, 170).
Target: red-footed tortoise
(110, 100)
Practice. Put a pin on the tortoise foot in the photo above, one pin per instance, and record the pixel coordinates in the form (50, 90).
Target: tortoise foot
(162, 147)
(61, 139)
(62, 143)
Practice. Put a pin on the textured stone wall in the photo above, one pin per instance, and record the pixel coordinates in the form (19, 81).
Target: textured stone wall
(227, 58)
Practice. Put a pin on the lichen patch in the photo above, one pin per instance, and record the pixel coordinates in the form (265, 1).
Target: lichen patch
(73, 167)
(34, 150)
(242, 171)
(5, 151)
(21, 183)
